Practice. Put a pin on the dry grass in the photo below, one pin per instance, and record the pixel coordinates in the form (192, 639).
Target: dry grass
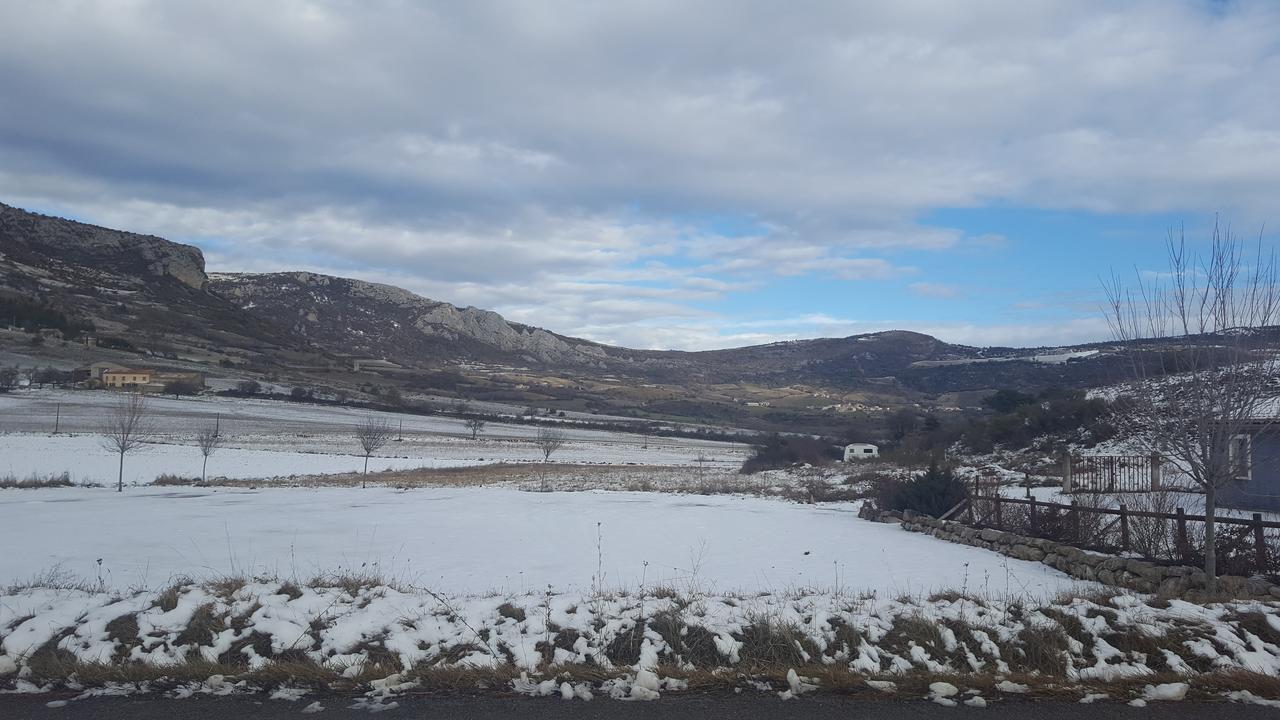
(1043, 650)
(54, 578)
(507, 610)
(768, 642)
(170, 480)
(12, 482)
(168, 598)
(202, 627)
(692, 644)
(498, 473)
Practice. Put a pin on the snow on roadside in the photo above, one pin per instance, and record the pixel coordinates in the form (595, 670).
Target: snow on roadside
(634, 638)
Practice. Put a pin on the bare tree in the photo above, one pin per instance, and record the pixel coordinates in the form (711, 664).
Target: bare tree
(209, 440)
(548, 441)
(475, 425)
(1196, 397)
(125, 429)
(373, 433)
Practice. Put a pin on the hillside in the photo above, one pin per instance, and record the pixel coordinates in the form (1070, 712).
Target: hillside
(139, 290)
(153, 296)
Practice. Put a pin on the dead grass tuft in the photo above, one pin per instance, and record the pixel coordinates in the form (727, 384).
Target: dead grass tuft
(507, 610)
(12, 482)
(124, 630)
(168, 598)
(1043, 650)
(204, 625)
(691, 644)
(917, 629)
(625, 647)
(54, 578)
(237, 657)
(290, 589)
(1256, 623)
(767, 642)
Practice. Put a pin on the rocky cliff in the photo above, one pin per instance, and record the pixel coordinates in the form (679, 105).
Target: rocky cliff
(27, 237)
(385, 321)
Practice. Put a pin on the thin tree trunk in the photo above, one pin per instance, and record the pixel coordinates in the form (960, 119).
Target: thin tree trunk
(1210, 538)
(120, 479)
(203, 468)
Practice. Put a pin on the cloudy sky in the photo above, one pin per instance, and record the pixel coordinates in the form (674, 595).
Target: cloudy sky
(665, 174)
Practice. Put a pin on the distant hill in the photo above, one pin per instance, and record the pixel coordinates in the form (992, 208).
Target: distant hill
(155, 296)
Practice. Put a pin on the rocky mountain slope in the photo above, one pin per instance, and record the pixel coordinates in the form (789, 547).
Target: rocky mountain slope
(384, 321)
(137, 289)
(155, 296)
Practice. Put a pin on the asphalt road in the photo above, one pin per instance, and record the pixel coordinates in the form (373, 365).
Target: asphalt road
(702, 707)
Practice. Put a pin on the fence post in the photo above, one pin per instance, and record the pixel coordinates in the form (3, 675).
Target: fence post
(1124, 528)
(1034, 523)
(1075, 519)
(973, 498)
(1259, 543)
(996, 499)
(1155, 471)
(1066, 473)
(1182, 534)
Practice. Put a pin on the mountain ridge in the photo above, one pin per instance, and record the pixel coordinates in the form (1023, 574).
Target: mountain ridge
(156, 297)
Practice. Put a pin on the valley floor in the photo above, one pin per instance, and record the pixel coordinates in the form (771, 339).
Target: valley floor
(483, 539)
(265, 438)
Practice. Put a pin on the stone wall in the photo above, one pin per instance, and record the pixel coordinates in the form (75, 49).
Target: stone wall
(1130, 573)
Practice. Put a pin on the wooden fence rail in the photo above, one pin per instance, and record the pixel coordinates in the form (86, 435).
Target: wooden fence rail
(1039, 512)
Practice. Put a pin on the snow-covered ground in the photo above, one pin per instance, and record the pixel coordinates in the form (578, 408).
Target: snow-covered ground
(266, 438)
(480, 539)
(386, 641)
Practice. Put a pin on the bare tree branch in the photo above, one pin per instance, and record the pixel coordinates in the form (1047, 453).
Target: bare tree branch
(548, 441)
(209, 440)
(372, 433)
(1197, 379)
(125, 429)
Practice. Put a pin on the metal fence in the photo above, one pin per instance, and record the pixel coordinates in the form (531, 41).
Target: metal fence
(1111, 473)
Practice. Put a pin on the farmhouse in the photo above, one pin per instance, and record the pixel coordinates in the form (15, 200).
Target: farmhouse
(1257, 482)
(125, 378)
(860, 451)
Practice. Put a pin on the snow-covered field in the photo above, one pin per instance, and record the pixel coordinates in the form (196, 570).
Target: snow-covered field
(266, 438)
(481, 539)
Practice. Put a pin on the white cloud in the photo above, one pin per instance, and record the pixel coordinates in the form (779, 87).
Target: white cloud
(545, 158)
(934, 290)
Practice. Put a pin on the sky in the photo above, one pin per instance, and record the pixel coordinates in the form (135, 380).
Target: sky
(660, 173)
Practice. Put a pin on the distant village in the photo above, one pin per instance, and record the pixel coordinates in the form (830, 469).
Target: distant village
(107, 376)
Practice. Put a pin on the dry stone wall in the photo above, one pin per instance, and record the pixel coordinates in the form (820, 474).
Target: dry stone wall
(1131, 573)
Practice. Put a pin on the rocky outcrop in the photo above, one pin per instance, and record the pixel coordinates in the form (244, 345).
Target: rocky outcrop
(394, 323)
(109, 250)
(1130, 573)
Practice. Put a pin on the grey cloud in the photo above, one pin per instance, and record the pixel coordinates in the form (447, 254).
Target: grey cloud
(568, 140)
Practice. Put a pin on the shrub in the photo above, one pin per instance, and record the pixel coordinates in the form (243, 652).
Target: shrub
(182, 387)
(931, 493)
(168, 479)
(36, 481)
(779, 451)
